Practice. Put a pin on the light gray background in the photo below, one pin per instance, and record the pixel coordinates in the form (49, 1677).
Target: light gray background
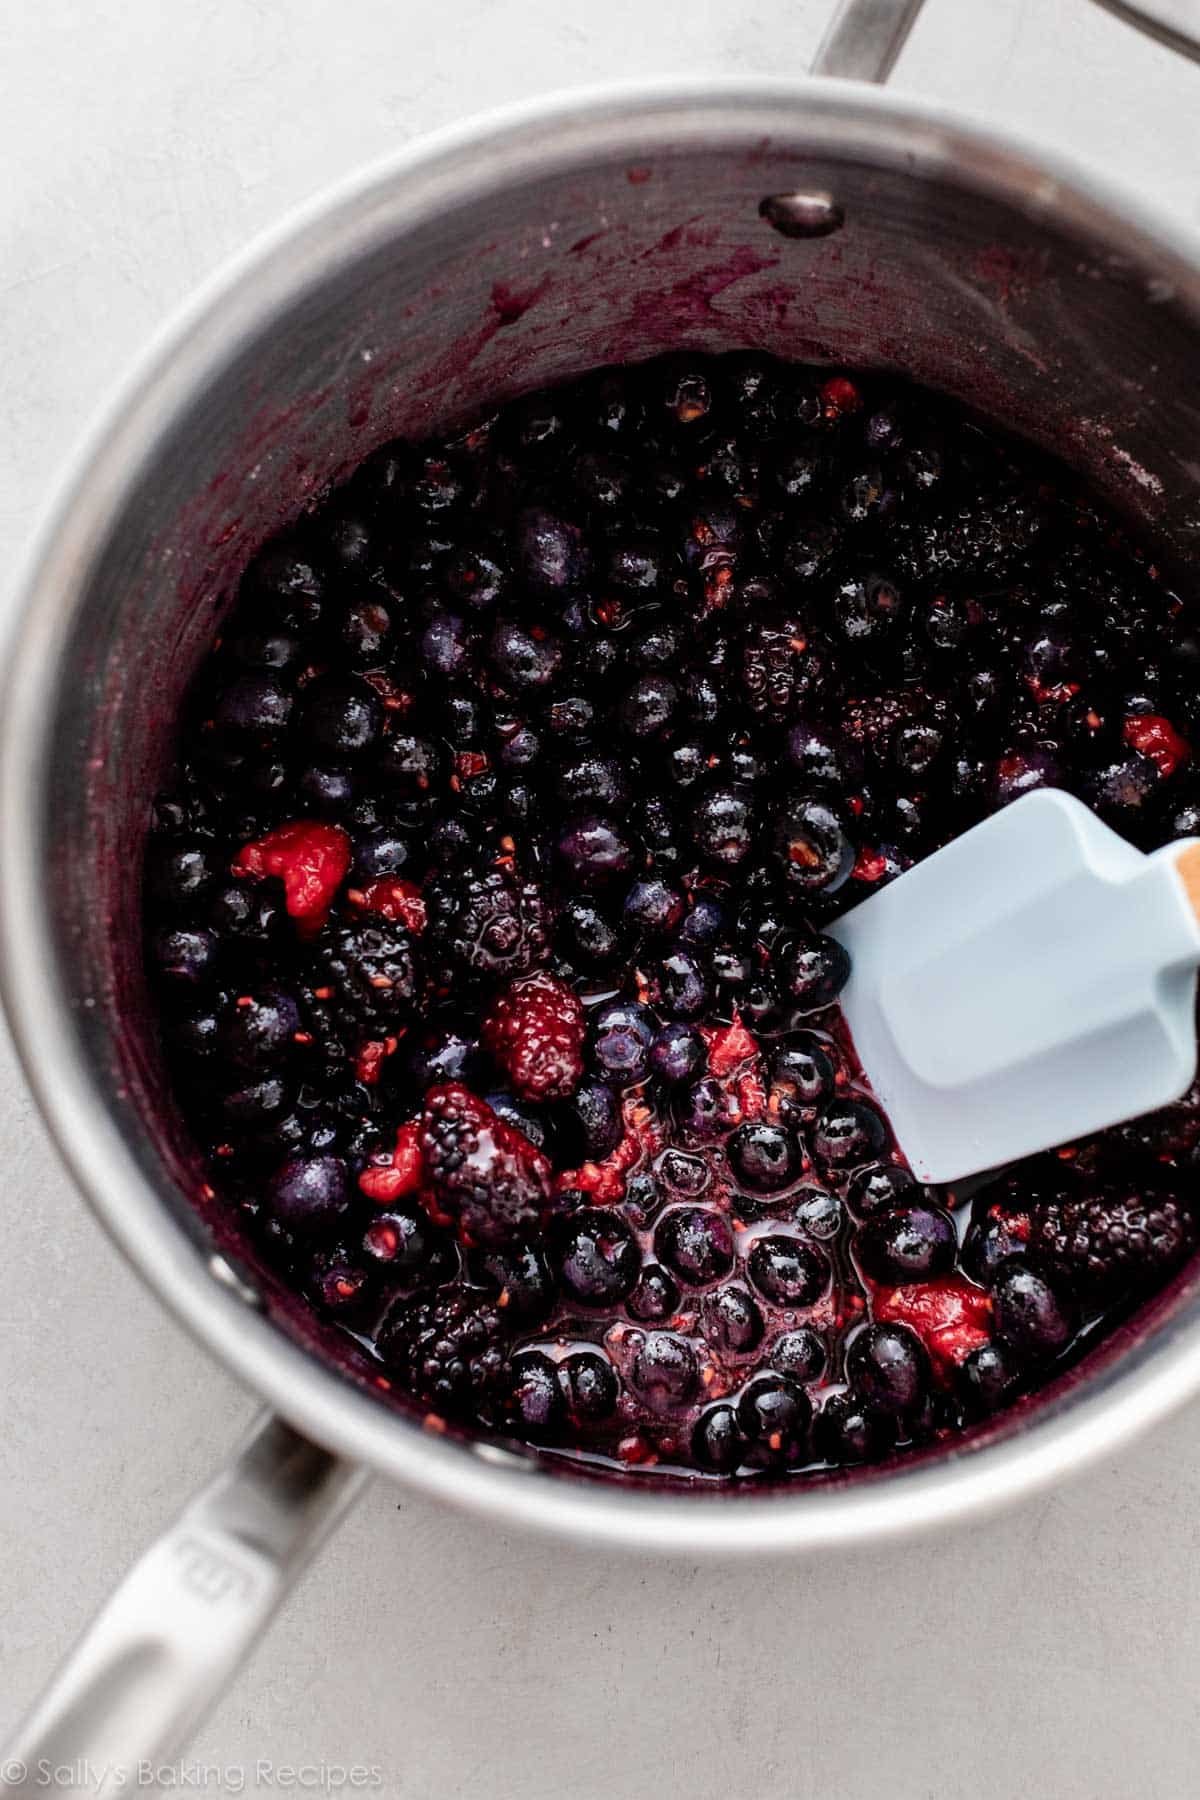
(1054, 1651)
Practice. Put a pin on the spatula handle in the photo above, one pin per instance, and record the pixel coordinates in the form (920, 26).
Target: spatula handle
(1187, 867)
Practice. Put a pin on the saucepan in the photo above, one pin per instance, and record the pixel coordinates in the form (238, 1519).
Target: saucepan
(821, 219)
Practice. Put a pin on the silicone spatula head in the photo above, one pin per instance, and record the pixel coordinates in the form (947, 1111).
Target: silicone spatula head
(1033, 981)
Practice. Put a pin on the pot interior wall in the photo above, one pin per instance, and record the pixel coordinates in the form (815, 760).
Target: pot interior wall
(424, 314)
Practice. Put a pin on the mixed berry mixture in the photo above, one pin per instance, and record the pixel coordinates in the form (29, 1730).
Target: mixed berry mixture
(485, 909)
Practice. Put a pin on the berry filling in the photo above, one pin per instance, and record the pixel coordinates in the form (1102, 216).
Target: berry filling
(485, 911)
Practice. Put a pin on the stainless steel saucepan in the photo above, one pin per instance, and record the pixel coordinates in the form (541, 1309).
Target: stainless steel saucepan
(822, 219)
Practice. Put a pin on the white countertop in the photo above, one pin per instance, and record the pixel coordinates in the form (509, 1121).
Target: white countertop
(1053, 1651)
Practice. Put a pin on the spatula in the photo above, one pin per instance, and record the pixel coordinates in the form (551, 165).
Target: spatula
(1033, 981)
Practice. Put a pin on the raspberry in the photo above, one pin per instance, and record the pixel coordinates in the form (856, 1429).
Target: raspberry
(1158, 739)
(447, 1351)
(950, 1317)
(402, 1174)
(310, 859)
(492, 924)
(483, 1173)
(365, 975)
(395, 899)
(1112, 1241)
(535, 1031)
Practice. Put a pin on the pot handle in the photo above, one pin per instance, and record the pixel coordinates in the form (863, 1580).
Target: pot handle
(864, 37)
(165, 1643)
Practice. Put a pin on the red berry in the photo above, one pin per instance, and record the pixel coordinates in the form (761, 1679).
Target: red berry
(951, 1317)
(535, 1032)
(400, 901)
(403, 1175)
(1158, 739)
(310, 859)
(483, 1174)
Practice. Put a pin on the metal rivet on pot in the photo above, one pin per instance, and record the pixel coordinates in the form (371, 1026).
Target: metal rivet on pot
(227, 1275)
(802, 215)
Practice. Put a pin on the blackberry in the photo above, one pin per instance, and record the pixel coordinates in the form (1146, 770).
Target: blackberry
(447, 1352)
(1109, 1243)
(492, 924)
(365, 975)
(484, 1174)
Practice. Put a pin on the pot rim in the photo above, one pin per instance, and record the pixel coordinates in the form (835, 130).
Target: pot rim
(388, 197)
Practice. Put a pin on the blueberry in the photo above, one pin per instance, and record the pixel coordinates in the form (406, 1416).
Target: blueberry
(906, 1243)
(601, 481)
(1032, 1313)
(587, 933)
(877, 1187)
(649, 705)
(550, 556)
(593, 1122)
(849, 1132)
(731, 1321)
(765, 1158)
(705, 921)
(593, 783)
(536, 1400)
(814, 972)
(847, 1431)
(384, 851)
(818, 1213)
(638, 566)
(802, 1078)
(245, 1108)
(474, 578)
(677, 1054)
(664, 1371)
(524, 1118)
(269, 647)
(915, 749)
(653, 906)
(695, 1244)
(526, 659)
(589, 1387)
(256, 704)
(821, 758)
(412, 765)
(571, 718)
(260, 1027)
(991, 1241)
(621, 1036)
(593, 849)
(655, 1298)
(787, 1271)
(811, 846)
(988, 1378)
(888, 1367)
(325, 791)
(686, 1175)
(717, 1441)
(598, 1259)
(288, 583)
(706, 1110)
(184, 957)
(800, 1354)
(684, 987)
(1119, 791)
(722, 825)
(774, 1414)
(446, 646)
(1023, 771)
(309, 1196)
(520, 748)
(402, 1241)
